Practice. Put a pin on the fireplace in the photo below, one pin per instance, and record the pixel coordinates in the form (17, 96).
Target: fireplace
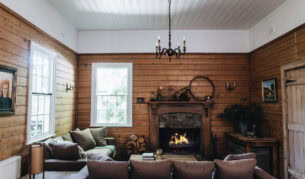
(170, 123)
(180, 133)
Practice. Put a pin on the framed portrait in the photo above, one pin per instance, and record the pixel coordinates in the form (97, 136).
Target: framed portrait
(269, 91)
(8, 83)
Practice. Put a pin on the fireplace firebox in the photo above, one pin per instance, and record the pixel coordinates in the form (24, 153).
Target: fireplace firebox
(180, 133)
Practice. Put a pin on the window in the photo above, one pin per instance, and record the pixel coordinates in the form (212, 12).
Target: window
(111, 99)
(41, 94)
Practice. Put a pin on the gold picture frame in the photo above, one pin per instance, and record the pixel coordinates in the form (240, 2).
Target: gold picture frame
(269, 90)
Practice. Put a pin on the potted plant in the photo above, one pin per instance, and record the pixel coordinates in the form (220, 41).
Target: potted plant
(244, 117)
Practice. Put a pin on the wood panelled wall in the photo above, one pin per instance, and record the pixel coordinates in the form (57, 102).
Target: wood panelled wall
(150, 73)
(15, 36)
(265, 63)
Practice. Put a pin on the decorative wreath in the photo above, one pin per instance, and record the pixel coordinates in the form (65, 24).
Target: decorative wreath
(201, 98)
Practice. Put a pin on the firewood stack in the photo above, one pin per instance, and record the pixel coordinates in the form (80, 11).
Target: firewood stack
(135, 145)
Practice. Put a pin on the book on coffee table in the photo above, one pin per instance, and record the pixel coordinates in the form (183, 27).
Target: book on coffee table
(148, 156)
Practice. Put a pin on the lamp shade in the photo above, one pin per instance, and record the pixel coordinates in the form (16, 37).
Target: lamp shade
(36, 158)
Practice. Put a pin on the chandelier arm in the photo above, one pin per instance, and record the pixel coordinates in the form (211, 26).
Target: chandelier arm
(160, 53)
(177, 52)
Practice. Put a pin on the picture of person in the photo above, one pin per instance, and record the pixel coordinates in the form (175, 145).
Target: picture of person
(5, 99)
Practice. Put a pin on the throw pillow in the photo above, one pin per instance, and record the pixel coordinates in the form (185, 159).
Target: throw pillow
(84, 139)
(47, 151)
(64, 150)
(67, 137)
(98, 157)
(82, 153)
(240, 156)
(150, 169)
(237, 169)
(108, 170)
(99, 135)
(193, 170)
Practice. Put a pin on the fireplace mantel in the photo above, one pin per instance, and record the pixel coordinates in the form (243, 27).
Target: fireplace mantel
(196, 107)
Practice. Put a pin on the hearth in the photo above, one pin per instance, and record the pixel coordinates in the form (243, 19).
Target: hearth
(180, 133)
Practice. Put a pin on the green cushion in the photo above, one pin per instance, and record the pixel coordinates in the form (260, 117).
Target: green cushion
(99, 135)
(67, 137)
(84, 139)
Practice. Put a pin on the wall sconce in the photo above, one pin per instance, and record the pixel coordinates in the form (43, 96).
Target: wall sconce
(69, 88)
(230, 87)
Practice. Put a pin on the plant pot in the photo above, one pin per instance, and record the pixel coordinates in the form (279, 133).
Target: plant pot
(243, 127)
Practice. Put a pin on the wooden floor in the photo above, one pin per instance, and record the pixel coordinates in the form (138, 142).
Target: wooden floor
(53, 175)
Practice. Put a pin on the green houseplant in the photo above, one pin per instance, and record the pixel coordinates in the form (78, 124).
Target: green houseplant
(244, 117)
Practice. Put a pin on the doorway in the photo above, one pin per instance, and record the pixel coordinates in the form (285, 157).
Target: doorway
(293, 104)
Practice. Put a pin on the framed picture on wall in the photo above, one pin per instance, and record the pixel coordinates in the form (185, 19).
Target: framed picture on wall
(8, 83)
(269, 91)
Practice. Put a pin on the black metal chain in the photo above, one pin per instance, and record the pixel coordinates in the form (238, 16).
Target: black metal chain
(169, 24)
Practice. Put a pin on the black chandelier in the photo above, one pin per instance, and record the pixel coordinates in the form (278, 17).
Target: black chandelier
(169, 51)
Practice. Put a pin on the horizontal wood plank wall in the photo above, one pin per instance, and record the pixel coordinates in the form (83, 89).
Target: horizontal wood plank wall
(265, 63)
(15, 36)
(150, 73)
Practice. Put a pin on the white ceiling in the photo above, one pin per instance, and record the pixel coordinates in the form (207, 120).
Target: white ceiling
(153, 14)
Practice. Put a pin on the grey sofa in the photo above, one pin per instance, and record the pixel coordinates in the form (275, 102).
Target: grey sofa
(126, 170)
(52, 164)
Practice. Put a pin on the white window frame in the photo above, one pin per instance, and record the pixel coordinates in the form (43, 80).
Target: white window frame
(95, 66)
(51, 133)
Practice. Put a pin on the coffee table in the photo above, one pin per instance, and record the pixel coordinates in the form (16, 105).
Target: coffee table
(168, 157)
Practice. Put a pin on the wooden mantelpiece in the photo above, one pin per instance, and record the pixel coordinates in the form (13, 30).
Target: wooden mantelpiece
(203, 108)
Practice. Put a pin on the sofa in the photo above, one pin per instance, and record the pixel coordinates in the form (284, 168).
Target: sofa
(236, 167)
(105, 151)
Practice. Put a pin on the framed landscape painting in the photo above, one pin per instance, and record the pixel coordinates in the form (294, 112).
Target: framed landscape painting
(8, 77)
(269, 92)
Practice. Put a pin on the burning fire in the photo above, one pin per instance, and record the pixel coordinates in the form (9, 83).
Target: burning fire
(178, 139)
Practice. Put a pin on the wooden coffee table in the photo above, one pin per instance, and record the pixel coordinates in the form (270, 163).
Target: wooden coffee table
(168, 157)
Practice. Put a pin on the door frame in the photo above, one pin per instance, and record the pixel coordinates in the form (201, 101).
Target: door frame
(284, 68)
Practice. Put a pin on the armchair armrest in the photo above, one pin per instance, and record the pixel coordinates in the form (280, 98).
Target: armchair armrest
(261, 174)
(110, 140)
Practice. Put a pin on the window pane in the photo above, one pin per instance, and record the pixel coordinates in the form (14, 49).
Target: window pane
(45, 85)
(47, 104)
(46, 67)
(46, 119)
(33, 126)
(34, 105)
(39, 83)
(40, 125)
(41, 104)
(112, 81)
(34, 83)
